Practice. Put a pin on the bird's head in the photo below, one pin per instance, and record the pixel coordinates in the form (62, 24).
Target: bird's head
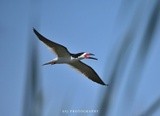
(85, 55)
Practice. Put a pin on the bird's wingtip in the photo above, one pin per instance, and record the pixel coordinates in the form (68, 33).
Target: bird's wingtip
(104, 84)
(107, 85)
(33, 29)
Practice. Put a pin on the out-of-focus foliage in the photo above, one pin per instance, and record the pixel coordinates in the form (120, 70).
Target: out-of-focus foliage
(129, 59)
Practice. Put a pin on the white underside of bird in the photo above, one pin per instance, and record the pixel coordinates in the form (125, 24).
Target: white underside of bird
(62, 60)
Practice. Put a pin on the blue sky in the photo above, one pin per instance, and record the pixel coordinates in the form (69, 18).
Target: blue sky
(99, 27)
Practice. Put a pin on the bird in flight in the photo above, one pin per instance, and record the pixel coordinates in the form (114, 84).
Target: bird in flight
(74, 60)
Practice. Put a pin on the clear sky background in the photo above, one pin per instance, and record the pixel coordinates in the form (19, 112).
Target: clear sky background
(124, 36)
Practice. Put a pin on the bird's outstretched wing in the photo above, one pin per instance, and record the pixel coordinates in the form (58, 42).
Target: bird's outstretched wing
(87, 71)
(60, 50)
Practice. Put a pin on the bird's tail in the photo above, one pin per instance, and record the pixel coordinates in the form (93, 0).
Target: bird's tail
(50, 62)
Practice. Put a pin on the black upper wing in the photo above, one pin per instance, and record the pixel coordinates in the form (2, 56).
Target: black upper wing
(87, 71)
(60, 50)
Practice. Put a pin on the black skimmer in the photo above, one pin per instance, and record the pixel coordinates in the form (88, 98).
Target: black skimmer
(64, 56)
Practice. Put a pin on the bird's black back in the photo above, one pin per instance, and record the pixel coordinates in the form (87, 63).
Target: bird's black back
(76, 55)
